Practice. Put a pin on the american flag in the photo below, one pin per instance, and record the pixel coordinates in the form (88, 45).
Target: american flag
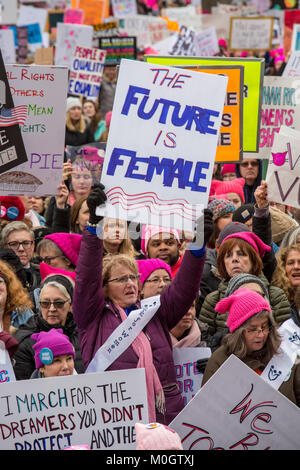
(10, 117)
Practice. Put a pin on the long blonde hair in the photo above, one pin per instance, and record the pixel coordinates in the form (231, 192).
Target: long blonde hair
(78, 126)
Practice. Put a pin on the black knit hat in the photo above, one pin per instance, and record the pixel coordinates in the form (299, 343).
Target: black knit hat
(60, 279)
(243, 213)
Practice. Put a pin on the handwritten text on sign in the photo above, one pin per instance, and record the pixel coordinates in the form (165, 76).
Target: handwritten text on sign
(86, 72)
(173, 113)
(243, 414)
(98, 410)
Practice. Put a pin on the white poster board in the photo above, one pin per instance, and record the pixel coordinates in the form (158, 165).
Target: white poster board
(162, 116)
(283, 174)
(123, 8)
(6, 370)
(206, 43)
(86, 72)
(44, 90)
(67, 38)
(187, 375)
(97, 410)
(147, 29)
(292, 68)
(7, 46)
(252, 33)
(237, 410)
(9, 11)
(295, 46)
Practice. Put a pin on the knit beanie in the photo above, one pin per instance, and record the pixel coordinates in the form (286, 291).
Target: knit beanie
(12, 208)
(244, 278)
(243, 213)
(259, 246)
(64, 280)
(73, 102)
(281, 223)
(232, 227)
(241, 305)
(234, 186)
(47, 270)
(147, 266)
(69, 243)
(149, 231)
(156, 436)
(50, 344)
(228, 168)
(220, 207)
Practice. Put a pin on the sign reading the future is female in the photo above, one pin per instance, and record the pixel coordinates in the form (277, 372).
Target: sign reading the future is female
(162, 144)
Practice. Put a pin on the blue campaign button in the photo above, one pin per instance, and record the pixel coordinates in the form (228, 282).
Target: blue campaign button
(12, 212)
(46, 356)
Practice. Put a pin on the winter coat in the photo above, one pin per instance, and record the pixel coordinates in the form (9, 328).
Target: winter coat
(24, 357)
(76, 138)
(280, 305)
(97, 317)
(256, 361)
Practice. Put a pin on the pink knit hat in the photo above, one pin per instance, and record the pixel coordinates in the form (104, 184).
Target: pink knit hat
(149, 231)
(156, 436)
(241, 305)
(228, 168)
(47, 270)
(234, 186)
(69, 243)
(50, 344)
(147, 266)
(259, 246)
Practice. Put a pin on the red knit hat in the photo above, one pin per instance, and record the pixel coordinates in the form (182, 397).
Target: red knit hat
(241, 305)
(234, 186)
(69, 243)
(12, 208)
(228, 168)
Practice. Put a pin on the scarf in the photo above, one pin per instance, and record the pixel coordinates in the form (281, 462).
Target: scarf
(155, 394)
(191, 340)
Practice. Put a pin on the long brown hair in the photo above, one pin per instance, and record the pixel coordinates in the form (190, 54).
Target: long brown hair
(97, 116)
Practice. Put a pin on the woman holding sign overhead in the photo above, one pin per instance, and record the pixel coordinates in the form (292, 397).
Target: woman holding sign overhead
(114, 331)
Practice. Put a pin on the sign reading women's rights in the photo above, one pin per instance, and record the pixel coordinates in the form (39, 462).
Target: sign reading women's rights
(43, 91)
(86, 72)
(98, 410)
(237, 410)
(162, 144)
(283, 175)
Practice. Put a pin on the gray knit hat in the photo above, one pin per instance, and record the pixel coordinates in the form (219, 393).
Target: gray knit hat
(237, 281)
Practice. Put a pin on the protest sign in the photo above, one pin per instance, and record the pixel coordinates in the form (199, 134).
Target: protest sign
(283, 168)
(7, 46)
(237, 410)
(74, 15)
(122, 8)
(187, 375)
(253, 83)
(147, 29)
(54, 17)
(98, 410)
(185, 42)
(94, 10)
(44, 56)
(12, 149)
(206, 43)
(9, 11)
(86, 72)
(34, 33)
(117, 48)
(6, 369)
(290, 18)
(22, 47)
(174, 113)
(90, 156)
(296, 38)
(251, 33)
(29, 13)
(292, 68)
(230, 140)
(43, 90)
(67, 38)
(106, 29)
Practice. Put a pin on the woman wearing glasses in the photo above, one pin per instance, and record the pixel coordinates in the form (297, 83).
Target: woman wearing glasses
(105, 300)
(254, 339)
(55, 302)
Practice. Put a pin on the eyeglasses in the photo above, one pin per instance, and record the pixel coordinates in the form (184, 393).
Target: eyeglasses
(125, 279)
(56, 303)
(245, 164)
(265, 330)
(16, 245)
(157, 280)
(48, 259)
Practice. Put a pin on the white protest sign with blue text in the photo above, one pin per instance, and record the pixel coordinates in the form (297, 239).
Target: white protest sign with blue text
(97, 410)
(162, 144)
(237, 410)
(86, 72)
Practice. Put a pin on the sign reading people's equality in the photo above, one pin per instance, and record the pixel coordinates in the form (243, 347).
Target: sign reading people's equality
(156, 171)
(237, 410)
(86, 72)
(284, 168)
(98, 410)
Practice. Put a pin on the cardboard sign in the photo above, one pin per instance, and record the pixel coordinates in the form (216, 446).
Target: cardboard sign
(94, 10)
(97, 410)
(296, 38)
(237, 410)
(123, 8)
(67, 38)
(253, 83)
(251, 33)
(156, 172)
(7, 46)
(206, 43)
(284, 168)
(74, 16)
(292, 68)
(117, 48)
(86, 72)
(230, 141)
(187, 375)
(44, 56)
(43, 90)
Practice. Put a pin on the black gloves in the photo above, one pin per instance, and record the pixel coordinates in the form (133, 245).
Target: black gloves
(96, 198)
(201, 364)
(204, 228)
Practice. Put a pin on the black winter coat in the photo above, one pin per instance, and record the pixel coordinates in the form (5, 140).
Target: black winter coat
(24, 357)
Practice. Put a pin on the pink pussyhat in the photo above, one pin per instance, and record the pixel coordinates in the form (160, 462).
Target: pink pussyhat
(156, 436)
(47, 270)
(149, 231)
(148, 266)
(241, 305)
(259, 246)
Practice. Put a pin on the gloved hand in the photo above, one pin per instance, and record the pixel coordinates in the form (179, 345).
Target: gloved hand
(96, 198)
(201, 364)
(204, 228)
(11, 344)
